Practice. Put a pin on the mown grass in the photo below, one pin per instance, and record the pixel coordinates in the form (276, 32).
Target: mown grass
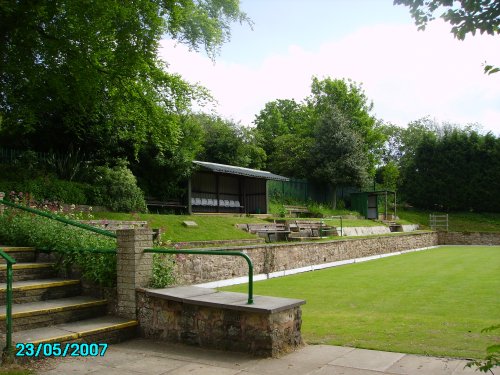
(434, 302)
(209, 227)
(458, 221)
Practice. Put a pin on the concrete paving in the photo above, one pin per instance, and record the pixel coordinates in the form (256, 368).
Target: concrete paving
(140, 356)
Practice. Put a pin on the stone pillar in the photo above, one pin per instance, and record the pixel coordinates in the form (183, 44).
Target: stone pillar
(134, 268)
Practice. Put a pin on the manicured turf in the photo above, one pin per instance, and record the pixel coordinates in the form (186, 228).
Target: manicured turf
(431, 302)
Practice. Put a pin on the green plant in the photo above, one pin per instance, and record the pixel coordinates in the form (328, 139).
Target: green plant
(492, 358)
(52, 189)
(116, 188)
(163, 271)
(24, 229)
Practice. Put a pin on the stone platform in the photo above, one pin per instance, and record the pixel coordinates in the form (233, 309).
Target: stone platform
(270, 327)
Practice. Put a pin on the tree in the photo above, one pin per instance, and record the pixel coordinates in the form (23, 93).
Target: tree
(337, 156)
(87, 72)
(225, 142)
(469, 16)
(349, 98)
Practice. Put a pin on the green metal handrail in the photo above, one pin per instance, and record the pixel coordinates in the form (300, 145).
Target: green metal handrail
(10, 261)
(213, 252)
(60, 219)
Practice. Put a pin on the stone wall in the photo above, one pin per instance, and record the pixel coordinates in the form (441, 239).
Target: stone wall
(469, 238)
(206, 318)
(194, 269)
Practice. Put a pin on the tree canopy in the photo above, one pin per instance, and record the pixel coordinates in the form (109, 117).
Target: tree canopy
(87, 72)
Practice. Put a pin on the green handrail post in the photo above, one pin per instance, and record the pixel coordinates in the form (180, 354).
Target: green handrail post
(58, 218)
(213, 252)
(10, 275)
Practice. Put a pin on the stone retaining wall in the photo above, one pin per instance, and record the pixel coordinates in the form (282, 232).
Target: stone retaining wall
(194, 269)
(469, 238)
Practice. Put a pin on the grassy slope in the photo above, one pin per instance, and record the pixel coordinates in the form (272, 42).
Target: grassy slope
(434, 302)
(209, 227)
(458, 221)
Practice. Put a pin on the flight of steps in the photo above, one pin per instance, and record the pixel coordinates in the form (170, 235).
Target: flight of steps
(49, 309)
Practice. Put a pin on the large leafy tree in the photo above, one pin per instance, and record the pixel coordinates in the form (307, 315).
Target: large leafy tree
(228, 143)
(87, 72)
(465, 16)
(337, 156)
(288, 131)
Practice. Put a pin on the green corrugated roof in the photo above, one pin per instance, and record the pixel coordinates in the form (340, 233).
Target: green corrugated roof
(231, 169)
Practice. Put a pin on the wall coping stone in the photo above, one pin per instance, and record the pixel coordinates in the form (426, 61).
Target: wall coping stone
(225, 300)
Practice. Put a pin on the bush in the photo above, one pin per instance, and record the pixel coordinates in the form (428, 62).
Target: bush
(116, 188)
(18, 228)
(163, 271)
(52, 189)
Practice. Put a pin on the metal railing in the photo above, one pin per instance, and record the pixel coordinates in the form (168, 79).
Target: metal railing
(8, 301)
(213, 252)
(58, 218)
(341, 223)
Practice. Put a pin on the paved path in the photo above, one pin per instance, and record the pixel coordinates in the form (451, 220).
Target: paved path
(142, 356)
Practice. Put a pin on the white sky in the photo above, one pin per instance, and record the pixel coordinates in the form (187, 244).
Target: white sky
(408, 74)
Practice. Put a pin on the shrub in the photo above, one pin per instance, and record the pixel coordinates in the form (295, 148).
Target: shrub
(18, 228)
(116, 188)
(52, 189)
(163, 271)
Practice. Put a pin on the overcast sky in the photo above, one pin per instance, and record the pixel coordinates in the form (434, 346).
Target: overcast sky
(408, 74)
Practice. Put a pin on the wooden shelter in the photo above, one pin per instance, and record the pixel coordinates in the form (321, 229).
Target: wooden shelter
(226, 188)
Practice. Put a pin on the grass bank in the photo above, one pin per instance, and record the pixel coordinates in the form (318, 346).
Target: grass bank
(433, 302)
(209, 227)
(458, 221)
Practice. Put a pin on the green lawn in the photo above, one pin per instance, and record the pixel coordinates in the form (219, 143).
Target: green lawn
(432, 302)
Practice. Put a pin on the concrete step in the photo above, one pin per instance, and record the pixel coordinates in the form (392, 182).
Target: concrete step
(106, 329)
(20, 254)
(28, 271)
(46, 313)
(40, 290)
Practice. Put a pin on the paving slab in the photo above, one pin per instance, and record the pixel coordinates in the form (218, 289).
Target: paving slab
(413, 364)
(368, 359)
(141, 356)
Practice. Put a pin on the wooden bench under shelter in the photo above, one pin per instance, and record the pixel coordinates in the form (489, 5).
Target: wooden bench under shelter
(296, 211)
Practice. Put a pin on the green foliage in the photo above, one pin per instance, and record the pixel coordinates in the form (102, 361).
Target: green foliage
(87, 73)
(458, 169)
(337, 156)
(116, 188)
(228, 143)
(163, 271)
(492, 358)
(25, 229)
(288, 132)
(52, 189)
